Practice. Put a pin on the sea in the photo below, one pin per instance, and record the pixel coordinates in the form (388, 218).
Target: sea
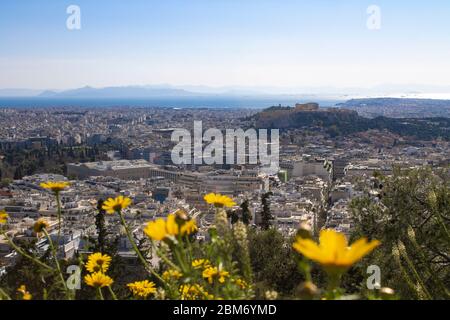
(164, 102)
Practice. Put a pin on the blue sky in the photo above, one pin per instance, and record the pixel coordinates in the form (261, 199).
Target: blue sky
(289, 43)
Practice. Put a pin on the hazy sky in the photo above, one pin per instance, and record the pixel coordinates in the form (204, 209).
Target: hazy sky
(223, 42)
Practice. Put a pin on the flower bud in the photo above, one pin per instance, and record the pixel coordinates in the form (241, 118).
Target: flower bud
(271, 295)
(221, 221)
(40, 225)
(182, 214)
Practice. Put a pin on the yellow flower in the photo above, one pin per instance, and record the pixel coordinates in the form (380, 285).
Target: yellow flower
(156, 230)
(25, 294)
(115, 205)
(55, 186)
(142, 288)
(171, 225)
(219, 201)
(194, 292)
(3, 217)
(188, 292)
(241, 283)
(201, 263)
(40, 225)
(333, 252)
(212, 273)
(98, 262)
(160, 229)
(171, 274)
(188, 227)
(98, 280)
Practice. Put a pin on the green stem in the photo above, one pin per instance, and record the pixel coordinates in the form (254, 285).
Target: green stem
(164, 258)
(100, 294)
(189, 247)
(443, 226)
(4, 294)
(136, 249)
(23, 253)
(415, 273)
(113, 295)
(430, 271)
(58, 267)
(179, 256)
(58, 203)
(405, 275)
(334, 281)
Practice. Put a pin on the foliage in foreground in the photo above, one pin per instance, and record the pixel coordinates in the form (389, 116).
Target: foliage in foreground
(220, 267)
(412, 220)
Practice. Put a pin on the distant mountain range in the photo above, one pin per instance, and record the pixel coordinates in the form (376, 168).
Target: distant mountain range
(163, 96)
(167, 90)
(117, 92)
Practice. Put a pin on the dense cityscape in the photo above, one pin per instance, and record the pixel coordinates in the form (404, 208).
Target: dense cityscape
(108, 151)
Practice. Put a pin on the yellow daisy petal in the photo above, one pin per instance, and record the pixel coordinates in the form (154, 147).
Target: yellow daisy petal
(156, 230)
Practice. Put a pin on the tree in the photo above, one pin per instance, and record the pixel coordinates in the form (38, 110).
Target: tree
(39, 281)
(266, 215)
(411, 218)
(101, 228)
(18, 173)
(246, 214)
(5, 182)
(273, 263)
(233, 216)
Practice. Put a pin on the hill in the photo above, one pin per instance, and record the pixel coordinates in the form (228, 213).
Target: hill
(338, 121)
